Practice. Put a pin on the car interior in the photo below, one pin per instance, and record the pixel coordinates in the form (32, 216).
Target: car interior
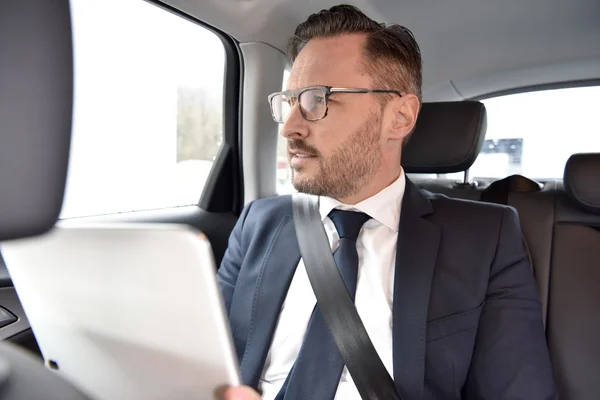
(156, 111)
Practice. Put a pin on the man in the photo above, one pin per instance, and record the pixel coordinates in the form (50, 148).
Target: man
(443, 287)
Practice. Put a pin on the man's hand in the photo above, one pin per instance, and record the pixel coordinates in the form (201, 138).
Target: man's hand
(239, 393)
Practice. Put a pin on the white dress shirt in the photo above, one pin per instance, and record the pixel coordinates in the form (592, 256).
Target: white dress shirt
(376, 246)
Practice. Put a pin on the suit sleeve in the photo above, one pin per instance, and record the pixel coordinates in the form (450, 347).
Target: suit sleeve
(229, 269)
(511, 359)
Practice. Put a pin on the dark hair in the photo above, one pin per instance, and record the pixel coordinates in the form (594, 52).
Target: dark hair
(391, 53)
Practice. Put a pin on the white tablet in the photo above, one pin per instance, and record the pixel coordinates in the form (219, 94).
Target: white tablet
(126, 311)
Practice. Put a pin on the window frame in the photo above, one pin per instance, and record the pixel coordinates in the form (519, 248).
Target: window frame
(223, 190)
(537, 88)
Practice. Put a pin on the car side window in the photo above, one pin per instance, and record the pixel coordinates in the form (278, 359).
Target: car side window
(148, 105)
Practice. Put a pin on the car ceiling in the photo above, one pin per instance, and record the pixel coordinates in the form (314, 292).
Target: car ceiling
(470, 48)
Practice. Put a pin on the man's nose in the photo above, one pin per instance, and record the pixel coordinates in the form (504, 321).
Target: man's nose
(294, 126)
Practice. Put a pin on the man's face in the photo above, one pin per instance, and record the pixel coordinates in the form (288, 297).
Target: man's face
(339, 154)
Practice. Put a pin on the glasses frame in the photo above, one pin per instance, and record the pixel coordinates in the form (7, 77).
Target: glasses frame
(294, 95)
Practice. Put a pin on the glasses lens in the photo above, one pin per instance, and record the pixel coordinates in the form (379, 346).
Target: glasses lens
(313, 104)
(280, 107)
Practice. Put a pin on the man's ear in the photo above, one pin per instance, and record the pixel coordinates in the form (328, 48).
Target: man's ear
(405, 111)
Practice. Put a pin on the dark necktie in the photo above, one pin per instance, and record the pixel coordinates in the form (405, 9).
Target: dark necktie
(318, 368)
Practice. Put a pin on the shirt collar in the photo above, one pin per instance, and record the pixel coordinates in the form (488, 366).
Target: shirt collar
(383, 207)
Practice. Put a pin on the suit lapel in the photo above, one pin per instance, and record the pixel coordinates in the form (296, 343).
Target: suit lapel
(277, 269)
(417, 249)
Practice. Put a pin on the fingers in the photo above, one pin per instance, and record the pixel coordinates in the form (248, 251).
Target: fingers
(238, 393)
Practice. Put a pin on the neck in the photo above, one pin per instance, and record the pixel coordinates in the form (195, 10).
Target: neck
(375, 185)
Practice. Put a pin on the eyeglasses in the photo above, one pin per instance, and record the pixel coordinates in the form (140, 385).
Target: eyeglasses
(313, 101)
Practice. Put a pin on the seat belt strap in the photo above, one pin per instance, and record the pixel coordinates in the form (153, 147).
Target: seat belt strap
(339, 312)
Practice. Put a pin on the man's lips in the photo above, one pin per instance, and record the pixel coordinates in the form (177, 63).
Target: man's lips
(301, 154)
(299, 158)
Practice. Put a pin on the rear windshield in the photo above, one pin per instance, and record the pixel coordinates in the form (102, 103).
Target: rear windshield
(534, 133)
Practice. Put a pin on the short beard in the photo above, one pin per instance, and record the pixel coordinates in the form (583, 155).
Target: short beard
(349, 168)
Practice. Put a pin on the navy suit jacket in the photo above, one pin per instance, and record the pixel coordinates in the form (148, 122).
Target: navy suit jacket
(467, 320)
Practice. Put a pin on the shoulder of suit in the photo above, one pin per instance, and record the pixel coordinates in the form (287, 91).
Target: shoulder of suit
(274, 207)
(479, 218)
(441, 202)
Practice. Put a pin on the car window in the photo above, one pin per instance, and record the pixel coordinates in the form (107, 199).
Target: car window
(148, 99)
(534, 133)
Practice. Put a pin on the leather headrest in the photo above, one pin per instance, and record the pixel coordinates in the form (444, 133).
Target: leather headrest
(36, 95)
(581, 178)
(447, 138)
